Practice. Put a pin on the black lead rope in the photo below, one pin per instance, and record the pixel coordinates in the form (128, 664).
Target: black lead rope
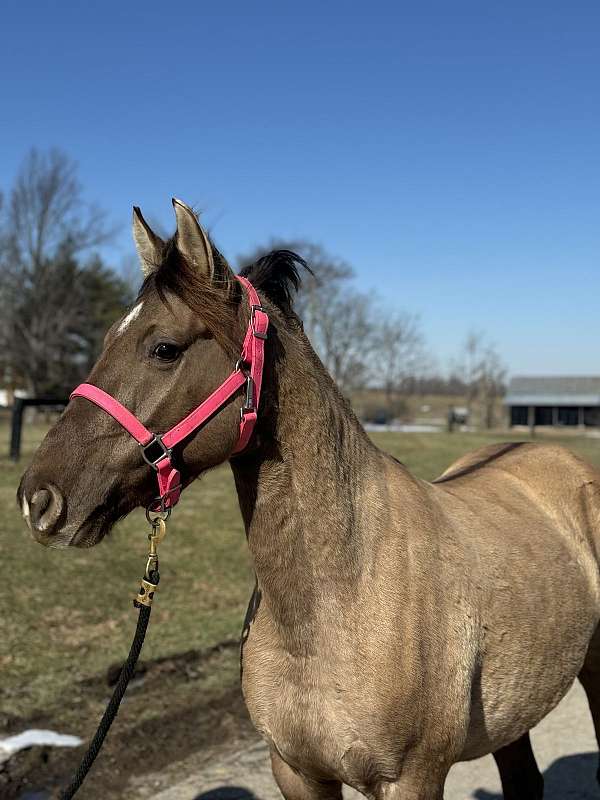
(143, 601)
(113, 705)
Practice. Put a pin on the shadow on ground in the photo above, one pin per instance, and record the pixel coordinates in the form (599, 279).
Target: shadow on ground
(568, 778)
(227, 793)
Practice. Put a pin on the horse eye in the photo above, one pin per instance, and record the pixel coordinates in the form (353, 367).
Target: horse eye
(165, 351)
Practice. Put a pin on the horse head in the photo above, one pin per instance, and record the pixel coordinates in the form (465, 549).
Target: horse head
(168, 354)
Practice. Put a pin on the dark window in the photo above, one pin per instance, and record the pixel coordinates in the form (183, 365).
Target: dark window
(543, 415)
(518, 415)
(591, 416)
(568, 415)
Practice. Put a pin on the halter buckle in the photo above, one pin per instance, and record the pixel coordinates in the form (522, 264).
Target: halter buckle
(155, 451)
(242, 366)
(253, 309)
(249, 399)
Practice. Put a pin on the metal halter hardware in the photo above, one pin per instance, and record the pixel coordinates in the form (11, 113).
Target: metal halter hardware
(249, 403)
(253, 308)
(157, 449)
(241, 366)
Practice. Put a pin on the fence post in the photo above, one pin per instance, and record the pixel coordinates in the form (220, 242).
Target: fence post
(16, 426)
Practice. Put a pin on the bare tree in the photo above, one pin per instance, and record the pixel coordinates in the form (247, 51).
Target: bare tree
(45, 300)
(464, 368)
(482, 372)
(343, 336)
(491, 379)
(47, 212)
(399, 354)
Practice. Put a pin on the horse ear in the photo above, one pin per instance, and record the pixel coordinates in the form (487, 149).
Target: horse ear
(148, 245)
(192, 241)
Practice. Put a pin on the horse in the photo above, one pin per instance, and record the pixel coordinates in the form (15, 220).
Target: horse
(397, 625)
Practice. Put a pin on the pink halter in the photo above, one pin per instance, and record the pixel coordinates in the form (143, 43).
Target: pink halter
(157, 449)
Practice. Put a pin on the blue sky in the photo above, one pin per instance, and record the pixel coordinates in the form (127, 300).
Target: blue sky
(449, 151)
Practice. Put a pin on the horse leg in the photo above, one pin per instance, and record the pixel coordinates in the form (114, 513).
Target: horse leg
(590, 680)
(294, 786)
(418, 781)
(408, 789)
(519, 773)
(414, 784)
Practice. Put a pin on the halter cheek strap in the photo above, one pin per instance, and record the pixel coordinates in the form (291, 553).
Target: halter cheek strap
(157, 449)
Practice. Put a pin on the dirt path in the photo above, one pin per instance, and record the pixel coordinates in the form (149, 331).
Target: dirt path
(564, 745)
(198, 744)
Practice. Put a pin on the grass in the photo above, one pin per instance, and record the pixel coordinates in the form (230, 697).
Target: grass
(67, 615)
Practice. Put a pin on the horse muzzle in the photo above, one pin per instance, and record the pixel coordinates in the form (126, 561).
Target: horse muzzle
(44, 509)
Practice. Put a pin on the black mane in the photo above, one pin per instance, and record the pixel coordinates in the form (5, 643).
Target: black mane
(277, 274)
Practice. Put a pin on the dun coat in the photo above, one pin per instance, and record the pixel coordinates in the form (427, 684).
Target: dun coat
(397, 626)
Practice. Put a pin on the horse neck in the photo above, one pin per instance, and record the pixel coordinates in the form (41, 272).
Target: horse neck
(302, 493)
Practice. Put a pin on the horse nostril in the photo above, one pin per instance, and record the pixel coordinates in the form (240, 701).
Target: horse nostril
(45, 508)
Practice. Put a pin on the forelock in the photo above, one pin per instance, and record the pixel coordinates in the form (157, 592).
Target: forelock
(215, 299)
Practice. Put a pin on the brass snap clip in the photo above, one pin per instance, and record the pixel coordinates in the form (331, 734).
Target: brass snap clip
(157, 534)
(149, 583)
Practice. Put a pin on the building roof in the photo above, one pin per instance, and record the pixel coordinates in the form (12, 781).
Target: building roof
(553, 391)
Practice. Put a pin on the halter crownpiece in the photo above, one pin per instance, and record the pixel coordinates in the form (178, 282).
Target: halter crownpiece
(157, 448)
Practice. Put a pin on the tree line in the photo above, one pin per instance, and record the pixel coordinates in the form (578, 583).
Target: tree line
(58, 297)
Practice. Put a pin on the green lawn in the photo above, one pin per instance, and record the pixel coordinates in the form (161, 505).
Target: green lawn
(67, 615)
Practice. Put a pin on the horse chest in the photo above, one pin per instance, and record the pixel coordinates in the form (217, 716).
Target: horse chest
(297, 705)
(323, 718)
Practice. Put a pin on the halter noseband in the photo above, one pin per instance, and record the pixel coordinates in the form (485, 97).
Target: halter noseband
(157, 449)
